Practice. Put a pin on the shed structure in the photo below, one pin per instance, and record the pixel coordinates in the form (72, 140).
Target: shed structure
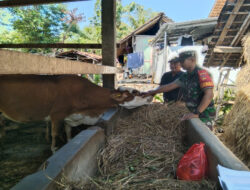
(80, 56)
(168, 36)
(198, 29)
(225, 48)
(150, 28)
(138, 42)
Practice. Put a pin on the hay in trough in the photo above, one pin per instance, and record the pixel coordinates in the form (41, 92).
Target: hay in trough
(144, 150)
(237, 126)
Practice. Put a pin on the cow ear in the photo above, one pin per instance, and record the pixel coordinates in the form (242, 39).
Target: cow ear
(116, 95)
(119, 96)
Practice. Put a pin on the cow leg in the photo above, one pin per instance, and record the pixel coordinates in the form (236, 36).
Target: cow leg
(48, 131)
(56, 128)
(2, 132)
(2, 124)
(68, 131)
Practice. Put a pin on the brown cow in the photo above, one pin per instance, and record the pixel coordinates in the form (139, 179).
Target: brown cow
(26, 98)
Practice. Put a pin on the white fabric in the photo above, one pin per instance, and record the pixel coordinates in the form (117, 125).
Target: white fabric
(137, 102)
(233, 179)
(80, 119)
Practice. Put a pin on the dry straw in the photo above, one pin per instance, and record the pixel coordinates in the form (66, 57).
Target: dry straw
(237, 122)
(243, 77)
(237, 126)
(143, 152)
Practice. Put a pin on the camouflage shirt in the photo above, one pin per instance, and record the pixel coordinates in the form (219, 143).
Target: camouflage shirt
(193, 85)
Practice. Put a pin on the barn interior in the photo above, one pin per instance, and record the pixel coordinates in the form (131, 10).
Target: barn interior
(80, 164)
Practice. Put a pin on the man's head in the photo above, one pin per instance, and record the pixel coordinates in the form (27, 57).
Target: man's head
(188, 60)
(175, 65)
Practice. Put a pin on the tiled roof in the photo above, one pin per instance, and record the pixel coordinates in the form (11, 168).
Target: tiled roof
(218, 5)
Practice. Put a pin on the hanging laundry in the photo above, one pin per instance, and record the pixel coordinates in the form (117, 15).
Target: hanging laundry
(135, 60)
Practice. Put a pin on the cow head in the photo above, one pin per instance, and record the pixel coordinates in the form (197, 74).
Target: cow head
(130, 98)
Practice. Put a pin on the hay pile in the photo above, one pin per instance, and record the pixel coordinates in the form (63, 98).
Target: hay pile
(237, 125)
(243, 76)
(246, 50)
(237, 122)
(144, 150)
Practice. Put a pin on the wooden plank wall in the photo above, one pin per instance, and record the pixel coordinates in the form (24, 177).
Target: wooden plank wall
(13, 62)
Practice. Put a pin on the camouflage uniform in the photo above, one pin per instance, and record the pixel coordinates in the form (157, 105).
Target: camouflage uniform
(193, 85)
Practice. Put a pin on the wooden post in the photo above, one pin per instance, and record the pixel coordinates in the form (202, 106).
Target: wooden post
(165, 54)
(108, 39)
(222, 83)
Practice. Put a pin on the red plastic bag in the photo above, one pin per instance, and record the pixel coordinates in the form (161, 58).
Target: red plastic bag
(193, 165)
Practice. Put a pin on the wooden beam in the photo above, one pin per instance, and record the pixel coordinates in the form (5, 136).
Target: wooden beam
(230, 21)
(13, 62)
(224, 36)
(238, 37)
(16, 3)
(227, 49)
(241, 31)
(244, 5)
(235, 13)
(229, 30)
(235, 22)
(56, 45)
(108, 39)
(227, 26)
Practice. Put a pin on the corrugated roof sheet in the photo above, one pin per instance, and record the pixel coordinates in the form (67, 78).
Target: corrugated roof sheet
(197, 28)
(81, 56)
(147, 25)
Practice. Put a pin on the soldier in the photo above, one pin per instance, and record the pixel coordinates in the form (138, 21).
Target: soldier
(198, 89)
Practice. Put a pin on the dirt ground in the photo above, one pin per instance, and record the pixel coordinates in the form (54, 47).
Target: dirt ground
(22, 151)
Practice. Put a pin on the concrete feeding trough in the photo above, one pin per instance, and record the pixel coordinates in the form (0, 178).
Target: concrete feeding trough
(77, 161)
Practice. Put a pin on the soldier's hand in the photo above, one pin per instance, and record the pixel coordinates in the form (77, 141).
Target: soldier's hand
(189, 116)
(149, 93)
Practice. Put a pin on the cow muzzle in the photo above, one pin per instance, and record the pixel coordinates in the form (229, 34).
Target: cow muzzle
(137, 101)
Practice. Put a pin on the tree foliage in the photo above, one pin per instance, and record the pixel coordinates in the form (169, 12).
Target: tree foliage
(54, 23)
(39, 24)
(138, 15)
(128, 18)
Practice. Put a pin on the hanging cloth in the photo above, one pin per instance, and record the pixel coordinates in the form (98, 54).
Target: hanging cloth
(135, 60)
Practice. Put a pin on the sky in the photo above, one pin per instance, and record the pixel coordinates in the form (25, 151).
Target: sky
(177, 10)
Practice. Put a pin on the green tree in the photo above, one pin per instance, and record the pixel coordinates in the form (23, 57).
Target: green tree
(72, 19)
(5, 20)
(137, 15)
(5, 29)
(128, 18)
(39, 24)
